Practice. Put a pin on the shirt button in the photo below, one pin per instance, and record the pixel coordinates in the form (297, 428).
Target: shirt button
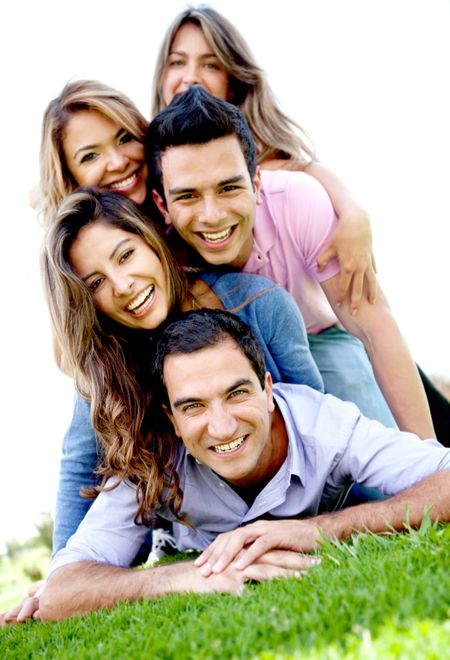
(222, 485)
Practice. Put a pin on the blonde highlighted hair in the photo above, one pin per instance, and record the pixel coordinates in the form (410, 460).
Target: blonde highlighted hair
(55, 179)
(276, 135)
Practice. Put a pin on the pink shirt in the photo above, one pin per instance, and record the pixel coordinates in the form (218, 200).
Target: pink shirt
(293, 224)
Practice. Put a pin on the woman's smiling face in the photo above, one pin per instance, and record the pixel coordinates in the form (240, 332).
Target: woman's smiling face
(99, 152)
(123, 273)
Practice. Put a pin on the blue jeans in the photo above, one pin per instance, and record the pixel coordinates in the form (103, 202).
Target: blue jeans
(347, 373)
(78, 462)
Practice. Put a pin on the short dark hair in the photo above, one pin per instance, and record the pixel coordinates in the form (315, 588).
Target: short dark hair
(203, 328)
(195, 117)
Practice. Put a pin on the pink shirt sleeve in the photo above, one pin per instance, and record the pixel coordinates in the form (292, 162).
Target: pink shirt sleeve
(312, 222)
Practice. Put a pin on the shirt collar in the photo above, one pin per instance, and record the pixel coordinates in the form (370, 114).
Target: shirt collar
(296, 458)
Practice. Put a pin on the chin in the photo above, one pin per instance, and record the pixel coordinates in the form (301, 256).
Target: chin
(138, 197)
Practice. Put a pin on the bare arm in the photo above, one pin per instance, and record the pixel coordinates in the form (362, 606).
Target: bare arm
(85, 586)
(245, 544)
(351, 243)
(393, 365)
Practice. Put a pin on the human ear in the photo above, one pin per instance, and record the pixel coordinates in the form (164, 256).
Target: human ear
(268, 384)
(172, 419)
(162, 208)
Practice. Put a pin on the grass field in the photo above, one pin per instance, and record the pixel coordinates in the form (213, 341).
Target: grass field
(373, 597)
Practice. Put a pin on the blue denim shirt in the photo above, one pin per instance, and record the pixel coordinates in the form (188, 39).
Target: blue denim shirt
(277, 323)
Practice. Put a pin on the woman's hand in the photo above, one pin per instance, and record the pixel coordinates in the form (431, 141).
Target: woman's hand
(351, 244)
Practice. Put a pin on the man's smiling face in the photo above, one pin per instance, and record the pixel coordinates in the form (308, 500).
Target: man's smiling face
(211, 199)
(223, 414)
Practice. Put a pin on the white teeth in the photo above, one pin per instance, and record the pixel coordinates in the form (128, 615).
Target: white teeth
(217, 236)
(234, 444)
(124, 183)
(137, 302)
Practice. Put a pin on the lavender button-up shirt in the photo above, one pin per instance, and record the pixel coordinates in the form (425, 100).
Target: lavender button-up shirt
(331, 445)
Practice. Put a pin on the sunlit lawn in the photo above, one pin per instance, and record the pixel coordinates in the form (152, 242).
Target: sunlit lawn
(374, 597)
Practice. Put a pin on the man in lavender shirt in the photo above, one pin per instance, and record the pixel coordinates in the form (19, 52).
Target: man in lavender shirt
(263, 470)
(202, 168)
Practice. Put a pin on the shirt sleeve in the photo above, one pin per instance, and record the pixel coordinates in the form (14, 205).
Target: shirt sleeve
(283, 330)
(108, 533)
(78, 463)
(388, 459)
(311, 221)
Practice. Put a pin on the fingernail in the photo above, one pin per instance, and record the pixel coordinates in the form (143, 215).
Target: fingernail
(205, 570)
(239, 564)
(316, 560)
(218, 566)
(354, 312)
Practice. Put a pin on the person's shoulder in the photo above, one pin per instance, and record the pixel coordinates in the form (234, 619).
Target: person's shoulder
(317, 416)
(238, 282)
(282, 181)
(294, 199)
(294, 392)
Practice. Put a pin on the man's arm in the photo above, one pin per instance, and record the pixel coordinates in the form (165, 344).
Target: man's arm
(86, 586)
(246, 544)
(394, 368)
(83, 587)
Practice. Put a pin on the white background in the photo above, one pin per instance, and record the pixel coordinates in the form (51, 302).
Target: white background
(369, 80)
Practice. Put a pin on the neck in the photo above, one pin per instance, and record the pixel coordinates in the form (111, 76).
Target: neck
(243, 255)
(201, 295)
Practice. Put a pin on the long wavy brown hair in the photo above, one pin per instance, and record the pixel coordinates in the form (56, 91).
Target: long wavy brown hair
(275, 134)
(110, 363)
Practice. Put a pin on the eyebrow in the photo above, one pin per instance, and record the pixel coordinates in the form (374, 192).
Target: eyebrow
(190, 399)
(94, 146)
(183, 52)
(234, 179)
(111, 256)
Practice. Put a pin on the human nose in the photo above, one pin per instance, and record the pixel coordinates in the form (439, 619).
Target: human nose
(117, 161)
(122, 284)
(211, 211)
(221, 423)
(191, 74)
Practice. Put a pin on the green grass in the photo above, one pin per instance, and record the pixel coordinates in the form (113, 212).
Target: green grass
(373, 597)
